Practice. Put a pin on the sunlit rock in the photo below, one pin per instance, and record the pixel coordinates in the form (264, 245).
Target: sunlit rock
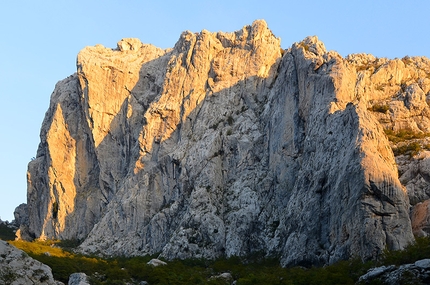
(229, 145)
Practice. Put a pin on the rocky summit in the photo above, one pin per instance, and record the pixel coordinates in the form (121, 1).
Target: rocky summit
(227, 144)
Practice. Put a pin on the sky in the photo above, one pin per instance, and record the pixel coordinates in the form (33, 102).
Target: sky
(41, 39)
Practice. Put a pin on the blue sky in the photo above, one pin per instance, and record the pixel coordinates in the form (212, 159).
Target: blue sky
(40, 40)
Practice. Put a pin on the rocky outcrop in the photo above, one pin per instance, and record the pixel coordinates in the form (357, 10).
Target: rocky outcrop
(17, 268)
(78, 279)
(20, 215)
(416, 273)
(229, 145)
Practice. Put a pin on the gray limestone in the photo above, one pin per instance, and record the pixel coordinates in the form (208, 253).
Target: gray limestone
(229, 145)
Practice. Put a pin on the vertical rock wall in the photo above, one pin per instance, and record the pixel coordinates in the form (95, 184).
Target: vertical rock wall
(224, 145)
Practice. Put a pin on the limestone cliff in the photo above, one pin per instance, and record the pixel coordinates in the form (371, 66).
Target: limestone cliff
(229, 145)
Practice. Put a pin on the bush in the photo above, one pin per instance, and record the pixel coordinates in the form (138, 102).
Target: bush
(6, 233)
(380, 87)
(404, 135)
(370, 65)
(7, 275)
(417, 250)
(379, 108)
(411, 149)
(254, 269)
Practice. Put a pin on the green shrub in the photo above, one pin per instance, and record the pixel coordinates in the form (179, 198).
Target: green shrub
(254, 269)
(411, 149)
(370, 65)
(379, 108)
(69, 244)
(417, 250)
(380, 87)
(404, 135)
(7, 275)
(6, 233)
(214, 126)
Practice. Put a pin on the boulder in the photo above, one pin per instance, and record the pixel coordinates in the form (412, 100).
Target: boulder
(78, 279)
(156, 262)
(17, 268)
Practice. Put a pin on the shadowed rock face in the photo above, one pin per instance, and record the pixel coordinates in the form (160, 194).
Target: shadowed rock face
(227, 145)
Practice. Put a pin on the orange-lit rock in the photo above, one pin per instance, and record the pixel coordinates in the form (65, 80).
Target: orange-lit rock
(228, 145)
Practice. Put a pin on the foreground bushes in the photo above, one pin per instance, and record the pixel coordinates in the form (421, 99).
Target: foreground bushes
(252, 270)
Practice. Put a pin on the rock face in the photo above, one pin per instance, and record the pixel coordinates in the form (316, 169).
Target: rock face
(17, 268)
(229, 145)
(417, 273)
(78, 279)
(21, 215)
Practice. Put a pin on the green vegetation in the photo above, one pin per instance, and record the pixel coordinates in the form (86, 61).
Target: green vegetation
(7, 276)
(411, 149)
(374, 65)
(416, 251)
(214, 126)
(379, 108)
(6, 233)
(380, 87)
(251, 270)
(404, 135)
(412, 146)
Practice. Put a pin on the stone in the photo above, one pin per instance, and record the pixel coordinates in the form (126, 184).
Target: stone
(228, 145)
(78, 279)
(225, 276)
(17, 268)
(423, 263)
(375, 272)
(156, 262)
(417, 273)
(420, 218)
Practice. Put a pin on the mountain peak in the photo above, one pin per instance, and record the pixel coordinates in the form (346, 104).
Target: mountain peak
(227, 145)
